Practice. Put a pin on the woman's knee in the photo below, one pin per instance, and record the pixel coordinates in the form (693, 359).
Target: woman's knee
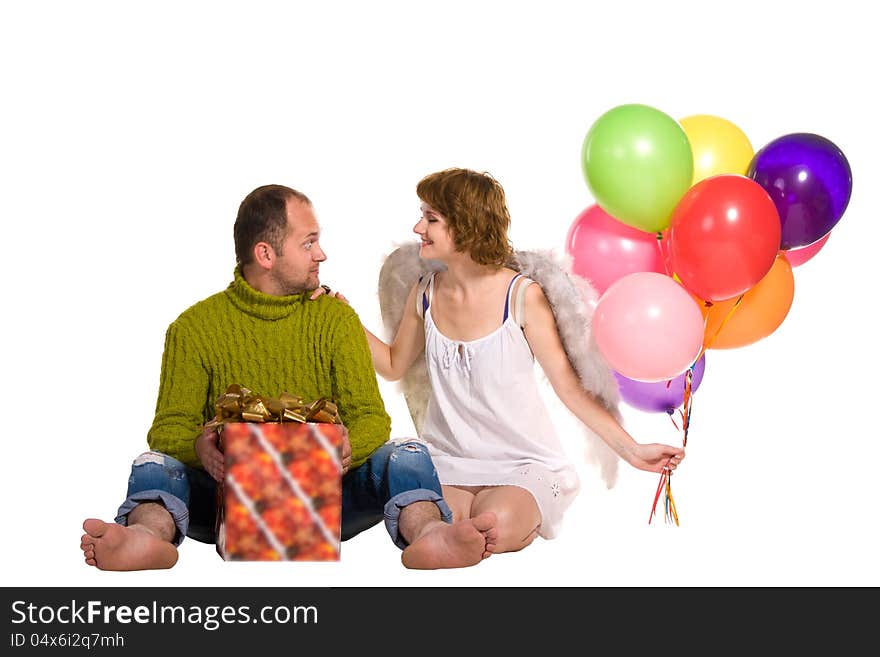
(513, 532)
(460, 501)
(517, 516)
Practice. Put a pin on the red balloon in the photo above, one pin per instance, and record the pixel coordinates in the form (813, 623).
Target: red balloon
(723, 237)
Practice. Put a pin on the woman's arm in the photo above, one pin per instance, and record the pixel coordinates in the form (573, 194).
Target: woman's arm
(543, 338)
(392, 361)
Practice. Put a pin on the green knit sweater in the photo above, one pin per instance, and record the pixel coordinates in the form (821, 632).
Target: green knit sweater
(271, 345)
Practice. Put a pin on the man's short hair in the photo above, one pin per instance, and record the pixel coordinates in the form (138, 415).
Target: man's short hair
(476, 212)
(262, 217)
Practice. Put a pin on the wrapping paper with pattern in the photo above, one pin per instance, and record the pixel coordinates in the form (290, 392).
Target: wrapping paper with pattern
(282, 495)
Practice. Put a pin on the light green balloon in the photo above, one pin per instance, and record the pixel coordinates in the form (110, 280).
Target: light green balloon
(638, 163)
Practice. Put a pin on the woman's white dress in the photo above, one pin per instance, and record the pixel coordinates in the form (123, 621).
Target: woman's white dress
(486, 424)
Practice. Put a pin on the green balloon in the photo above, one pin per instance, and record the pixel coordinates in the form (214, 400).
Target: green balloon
(638, 163)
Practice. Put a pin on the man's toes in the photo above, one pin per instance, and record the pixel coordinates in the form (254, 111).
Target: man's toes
(91, 562)
(94, 527)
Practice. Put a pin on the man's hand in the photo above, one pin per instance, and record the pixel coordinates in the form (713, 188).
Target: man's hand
(346, 451)
(211, 457)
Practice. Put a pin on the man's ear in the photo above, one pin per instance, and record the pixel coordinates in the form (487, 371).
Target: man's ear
(264, 255)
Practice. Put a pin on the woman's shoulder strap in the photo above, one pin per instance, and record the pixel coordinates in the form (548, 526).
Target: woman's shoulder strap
(422, 300)
(519, 308)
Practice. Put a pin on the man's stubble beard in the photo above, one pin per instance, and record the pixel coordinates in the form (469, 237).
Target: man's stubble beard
(289, 287)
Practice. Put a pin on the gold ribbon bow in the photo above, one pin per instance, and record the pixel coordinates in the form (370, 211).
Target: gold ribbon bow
(240, 404)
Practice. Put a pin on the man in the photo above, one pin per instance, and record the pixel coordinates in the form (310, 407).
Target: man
(269, 331)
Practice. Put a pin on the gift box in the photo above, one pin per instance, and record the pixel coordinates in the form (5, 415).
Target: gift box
(282, 494)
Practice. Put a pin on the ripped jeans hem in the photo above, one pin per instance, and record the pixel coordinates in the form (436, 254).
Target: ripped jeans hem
(172, 503)
(396, 504)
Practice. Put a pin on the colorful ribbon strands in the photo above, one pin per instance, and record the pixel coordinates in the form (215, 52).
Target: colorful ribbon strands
(691, 243)
(665, 483)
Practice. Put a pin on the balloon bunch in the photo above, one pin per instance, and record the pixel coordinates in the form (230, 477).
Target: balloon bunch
(691, 243)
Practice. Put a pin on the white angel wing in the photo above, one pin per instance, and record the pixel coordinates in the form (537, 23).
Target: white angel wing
(572, 299)
(400, 271)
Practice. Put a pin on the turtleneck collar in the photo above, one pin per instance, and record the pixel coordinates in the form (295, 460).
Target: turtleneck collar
(259, 304)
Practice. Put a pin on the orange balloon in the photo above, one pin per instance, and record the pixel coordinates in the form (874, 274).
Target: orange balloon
(760, 312)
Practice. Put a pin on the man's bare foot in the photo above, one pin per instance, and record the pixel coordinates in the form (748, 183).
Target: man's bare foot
(109, 546)
(458, 545)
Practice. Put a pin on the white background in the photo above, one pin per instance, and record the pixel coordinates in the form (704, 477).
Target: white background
(131, 132)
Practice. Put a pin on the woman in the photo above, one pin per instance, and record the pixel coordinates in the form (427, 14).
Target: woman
(481, 325)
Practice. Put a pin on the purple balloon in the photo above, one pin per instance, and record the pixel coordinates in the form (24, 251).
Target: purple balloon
(809, 180)
(662, 396)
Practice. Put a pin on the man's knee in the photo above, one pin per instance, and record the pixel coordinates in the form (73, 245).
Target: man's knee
(410, 447)
(411, 456)
(157, 470)
(152, 460)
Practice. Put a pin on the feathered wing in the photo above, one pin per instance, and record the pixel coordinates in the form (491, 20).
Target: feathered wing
(400, 271)
(572, 299)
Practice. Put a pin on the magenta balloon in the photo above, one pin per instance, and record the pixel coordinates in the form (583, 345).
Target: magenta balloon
(662, 396)
(799, 256)
(603, 249)
(648, 327)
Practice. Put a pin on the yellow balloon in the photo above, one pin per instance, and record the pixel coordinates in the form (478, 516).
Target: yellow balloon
(718, 146)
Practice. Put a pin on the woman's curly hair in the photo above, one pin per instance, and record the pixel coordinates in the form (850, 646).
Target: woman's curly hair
(475, 210)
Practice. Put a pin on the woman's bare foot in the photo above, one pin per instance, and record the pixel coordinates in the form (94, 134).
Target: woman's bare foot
(109, 546)
(458, 545)
(491, 540)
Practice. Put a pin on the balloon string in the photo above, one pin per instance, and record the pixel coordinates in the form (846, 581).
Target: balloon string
(686, 404)
(708, 343)
(671, 512)
(665, 486)
(660, 486)
(665, 483)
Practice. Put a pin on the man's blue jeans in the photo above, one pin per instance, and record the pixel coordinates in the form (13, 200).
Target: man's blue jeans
(395, 476)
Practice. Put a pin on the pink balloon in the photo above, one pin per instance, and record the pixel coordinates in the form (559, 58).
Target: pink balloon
(604, 249)
(801, 254)
(648, 327)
